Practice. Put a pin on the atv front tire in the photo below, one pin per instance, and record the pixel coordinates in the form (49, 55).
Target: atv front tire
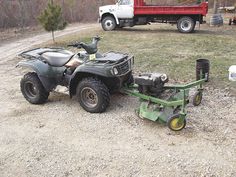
(93, 95)
(32, 89)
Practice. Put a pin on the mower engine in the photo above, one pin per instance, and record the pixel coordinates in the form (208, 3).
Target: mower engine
(151, 84)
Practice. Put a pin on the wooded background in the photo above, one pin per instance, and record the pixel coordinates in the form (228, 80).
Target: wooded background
(23, 13)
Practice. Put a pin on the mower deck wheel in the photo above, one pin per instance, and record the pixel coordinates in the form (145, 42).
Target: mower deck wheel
(175, 123)
(197, 98)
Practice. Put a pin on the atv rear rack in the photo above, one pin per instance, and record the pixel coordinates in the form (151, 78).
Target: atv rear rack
(35, 53)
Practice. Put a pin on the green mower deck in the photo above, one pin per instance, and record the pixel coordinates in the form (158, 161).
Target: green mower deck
(169, 109)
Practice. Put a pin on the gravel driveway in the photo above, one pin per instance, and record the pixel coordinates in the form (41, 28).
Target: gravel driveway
(61, 139)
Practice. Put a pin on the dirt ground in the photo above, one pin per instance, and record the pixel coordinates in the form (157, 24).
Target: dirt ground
(61, 139)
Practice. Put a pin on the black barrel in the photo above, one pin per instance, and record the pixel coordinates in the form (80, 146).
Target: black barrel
(202, 66)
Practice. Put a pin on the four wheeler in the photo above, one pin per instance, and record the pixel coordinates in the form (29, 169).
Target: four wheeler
(89, 75)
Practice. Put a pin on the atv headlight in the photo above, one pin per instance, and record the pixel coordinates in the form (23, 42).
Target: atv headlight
(129, 62)
(164, 77)
(115, 71)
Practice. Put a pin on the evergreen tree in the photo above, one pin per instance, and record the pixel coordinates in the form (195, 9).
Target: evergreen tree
(51, 18)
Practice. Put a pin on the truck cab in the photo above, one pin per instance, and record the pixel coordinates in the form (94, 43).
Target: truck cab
(111, 15)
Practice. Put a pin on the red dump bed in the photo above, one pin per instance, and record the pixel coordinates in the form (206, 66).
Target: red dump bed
(140, 8)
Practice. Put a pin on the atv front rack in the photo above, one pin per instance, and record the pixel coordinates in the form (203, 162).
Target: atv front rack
(170, 109)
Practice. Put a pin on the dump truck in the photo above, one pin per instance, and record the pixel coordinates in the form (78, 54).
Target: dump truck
(129, 13)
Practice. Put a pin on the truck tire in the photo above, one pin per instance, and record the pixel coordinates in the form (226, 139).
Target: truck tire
(32, 89)
(108, 23)
(93, 95)
(186, 25)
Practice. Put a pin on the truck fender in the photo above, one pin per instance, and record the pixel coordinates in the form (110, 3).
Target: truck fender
(111, 14)
(41, 69)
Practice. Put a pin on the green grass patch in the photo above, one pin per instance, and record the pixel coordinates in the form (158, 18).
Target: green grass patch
(161, 48)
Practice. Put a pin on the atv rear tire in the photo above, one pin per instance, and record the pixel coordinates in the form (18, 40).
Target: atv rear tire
(93, 95)
(32, 89)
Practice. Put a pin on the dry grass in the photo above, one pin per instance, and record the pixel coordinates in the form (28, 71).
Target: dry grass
(161, 48)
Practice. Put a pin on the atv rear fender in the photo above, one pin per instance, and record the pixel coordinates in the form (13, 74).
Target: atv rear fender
(48, 75)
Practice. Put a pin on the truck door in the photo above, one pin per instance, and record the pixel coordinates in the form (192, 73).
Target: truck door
(125, 9)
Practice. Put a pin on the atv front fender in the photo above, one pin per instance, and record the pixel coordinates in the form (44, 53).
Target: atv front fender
(99, 70)
(88, 71)
(48, 75)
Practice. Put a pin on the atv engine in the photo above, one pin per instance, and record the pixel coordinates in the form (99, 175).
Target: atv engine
(151, 84)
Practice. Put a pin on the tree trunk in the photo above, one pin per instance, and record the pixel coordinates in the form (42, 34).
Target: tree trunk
(22, 14)
(53, 38)
(71, 14)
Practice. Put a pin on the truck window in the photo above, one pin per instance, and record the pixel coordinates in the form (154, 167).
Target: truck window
(124, 2)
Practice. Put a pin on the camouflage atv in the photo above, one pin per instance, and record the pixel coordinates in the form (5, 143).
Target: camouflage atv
(89, 75)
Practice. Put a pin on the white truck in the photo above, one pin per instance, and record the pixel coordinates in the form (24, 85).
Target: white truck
(128, 13)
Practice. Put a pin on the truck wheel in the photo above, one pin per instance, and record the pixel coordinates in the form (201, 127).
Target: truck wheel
(93, 95)
(32, 89)
(186, 25)
(108, 23)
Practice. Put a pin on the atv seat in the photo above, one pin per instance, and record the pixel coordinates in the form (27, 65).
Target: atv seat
(58, 58)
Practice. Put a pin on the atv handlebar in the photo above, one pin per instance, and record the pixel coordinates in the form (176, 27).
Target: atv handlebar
(98, 38)
(77, 45)
(80, 44)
